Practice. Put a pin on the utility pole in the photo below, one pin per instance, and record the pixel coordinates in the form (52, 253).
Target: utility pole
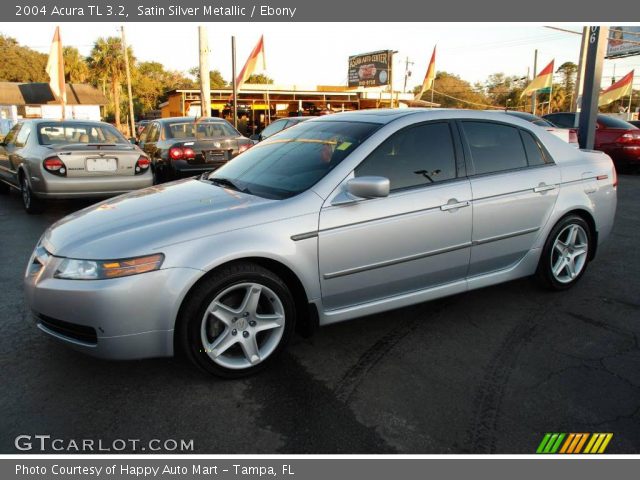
(534, 95)
(205, 81)
(234, 83)
(597, 43)
(407, 73)
(575, 107)
(132, 121)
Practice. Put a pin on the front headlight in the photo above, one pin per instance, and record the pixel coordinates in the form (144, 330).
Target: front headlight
(75, 269)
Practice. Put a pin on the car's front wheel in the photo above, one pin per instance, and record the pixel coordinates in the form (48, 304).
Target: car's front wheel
(237, 320)
(566, 253)
(31, 203)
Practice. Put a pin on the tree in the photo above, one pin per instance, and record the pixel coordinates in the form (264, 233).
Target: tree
(107, 63)
(260, 79)
(21, 64)
(568, 70)
(453, 92)
(504, 91)
(215, 78)
(151, 82)
(76, 69)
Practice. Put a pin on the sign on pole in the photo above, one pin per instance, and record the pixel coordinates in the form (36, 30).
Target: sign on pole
(370, 69)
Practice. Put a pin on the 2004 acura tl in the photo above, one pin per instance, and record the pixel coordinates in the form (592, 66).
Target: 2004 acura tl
(338, 217)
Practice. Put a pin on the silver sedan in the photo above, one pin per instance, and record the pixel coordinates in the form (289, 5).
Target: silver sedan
(48, 159)
(333, 219)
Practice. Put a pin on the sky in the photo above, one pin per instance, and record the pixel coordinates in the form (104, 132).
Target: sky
(309, 54)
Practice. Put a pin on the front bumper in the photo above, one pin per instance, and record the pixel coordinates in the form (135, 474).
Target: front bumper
(120, 319)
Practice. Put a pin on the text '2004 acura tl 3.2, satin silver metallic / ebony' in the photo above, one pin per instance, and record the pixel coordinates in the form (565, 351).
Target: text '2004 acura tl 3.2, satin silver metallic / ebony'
(335, 218)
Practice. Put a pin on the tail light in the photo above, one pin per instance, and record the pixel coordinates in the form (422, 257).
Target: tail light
(245, 147)
(630, 137)
(55, 165)
(175, 153)
(180, 153)
(142, 165)
(573, 135)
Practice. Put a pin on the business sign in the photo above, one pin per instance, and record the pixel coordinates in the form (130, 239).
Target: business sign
(370, 69)
(623, 42)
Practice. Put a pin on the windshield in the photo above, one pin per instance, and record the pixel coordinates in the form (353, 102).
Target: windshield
(57, 133)
(202, 129)
(294, 160)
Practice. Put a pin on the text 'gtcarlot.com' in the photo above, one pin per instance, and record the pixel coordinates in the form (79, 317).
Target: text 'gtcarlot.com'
(45, 443)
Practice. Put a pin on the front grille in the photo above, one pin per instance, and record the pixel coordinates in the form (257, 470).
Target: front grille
(81, 333)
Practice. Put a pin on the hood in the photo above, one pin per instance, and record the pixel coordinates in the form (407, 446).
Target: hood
(143, 221)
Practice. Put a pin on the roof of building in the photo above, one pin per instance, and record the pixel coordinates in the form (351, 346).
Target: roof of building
(14, 93)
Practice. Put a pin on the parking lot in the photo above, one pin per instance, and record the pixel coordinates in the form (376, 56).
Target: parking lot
(489, 371)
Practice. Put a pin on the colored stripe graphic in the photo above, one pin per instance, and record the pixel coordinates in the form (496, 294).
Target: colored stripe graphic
(573, 443)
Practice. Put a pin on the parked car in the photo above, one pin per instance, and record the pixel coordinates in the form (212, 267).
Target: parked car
(183, 146)
(617, 138)
(569, 135)
(48, 159)
(342, 216)
(277, 126)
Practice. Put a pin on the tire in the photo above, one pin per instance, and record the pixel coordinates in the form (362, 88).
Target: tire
(157, 175)
(566, 253)
(31, 203)
(222, 332)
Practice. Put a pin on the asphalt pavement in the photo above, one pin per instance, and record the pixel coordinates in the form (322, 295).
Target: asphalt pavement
(489, 371)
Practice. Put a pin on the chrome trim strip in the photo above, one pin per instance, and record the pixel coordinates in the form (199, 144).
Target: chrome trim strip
(304, 236)
(395, 261)
(505, 236)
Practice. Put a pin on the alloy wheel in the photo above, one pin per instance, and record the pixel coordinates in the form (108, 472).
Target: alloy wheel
(569, 253)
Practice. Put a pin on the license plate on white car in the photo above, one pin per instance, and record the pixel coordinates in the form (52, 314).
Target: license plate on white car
(102, 164)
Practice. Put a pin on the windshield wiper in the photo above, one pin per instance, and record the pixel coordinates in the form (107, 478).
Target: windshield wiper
(225, 182)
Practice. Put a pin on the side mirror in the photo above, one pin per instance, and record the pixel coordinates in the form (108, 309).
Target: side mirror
(363, 188)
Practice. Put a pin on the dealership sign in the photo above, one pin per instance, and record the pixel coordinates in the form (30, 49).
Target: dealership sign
(370, 69)
(623, 42)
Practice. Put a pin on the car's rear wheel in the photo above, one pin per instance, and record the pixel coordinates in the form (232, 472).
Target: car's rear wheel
(237, 321)
(31, 203)
(565, 255)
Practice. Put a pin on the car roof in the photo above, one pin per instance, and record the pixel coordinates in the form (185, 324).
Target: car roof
(381, 115)
(191, 119)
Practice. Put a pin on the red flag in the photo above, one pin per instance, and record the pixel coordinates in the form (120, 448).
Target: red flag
(55, 69)
(256, 62)
(430, 76)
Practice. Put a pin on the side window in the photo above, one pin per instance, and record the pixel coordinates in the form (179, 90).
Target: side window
(23, 135)
(535, 156)
(494, 147)
(412, 157)
(11, 136)
(274, 128)
(154, 133)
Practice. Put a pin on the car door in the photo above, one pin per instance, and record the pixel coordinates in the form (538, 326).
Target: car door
(149, 140)
(515, 186)
(417, 237)
(6, 150)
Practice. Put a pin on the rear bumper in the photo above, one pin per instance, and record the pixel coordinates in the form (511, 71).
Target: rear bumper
(64, 187)
(624, 155)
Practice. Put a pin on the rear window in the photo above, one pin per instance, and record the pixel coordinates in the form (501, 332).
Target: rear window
(200, 130)
(69, 133)
(613, 122)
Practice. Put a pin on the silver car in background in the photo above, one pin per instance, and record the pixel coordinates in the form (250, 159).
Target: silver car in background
(336, 218)
(48, 159)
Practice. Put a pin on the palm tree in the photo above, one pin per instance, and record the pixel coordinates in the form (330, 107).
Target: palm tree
(75, 66)
(107, 64)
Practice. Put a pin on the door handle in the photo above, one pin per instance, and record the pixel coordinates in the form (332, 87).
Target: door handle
(543, 187)
(454, 204)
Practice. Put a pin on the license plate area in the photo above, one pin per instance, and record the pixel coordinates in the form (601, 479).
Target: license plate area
(102, 164)
(214, 156)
